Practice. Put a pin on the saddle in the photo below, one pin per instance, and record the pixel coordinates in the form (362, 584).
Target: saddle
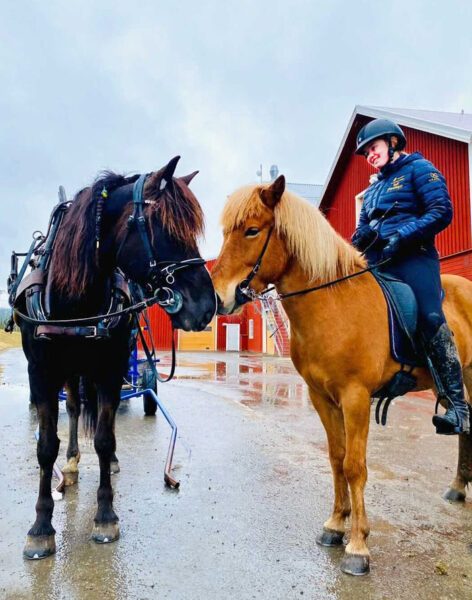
(404, 343)
(402, 320)
(34, 292)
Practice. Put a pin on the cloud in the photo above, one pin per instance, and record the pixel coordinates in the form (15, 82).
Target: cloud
(226, 85)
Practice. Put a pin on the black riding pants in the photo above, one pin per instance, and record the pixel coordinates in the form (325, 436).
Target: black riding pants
(420, 270)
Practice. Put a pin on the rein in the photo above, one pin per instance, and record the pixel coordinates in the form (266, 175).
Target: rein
(150, 355)
(325, 285)
(135, 308)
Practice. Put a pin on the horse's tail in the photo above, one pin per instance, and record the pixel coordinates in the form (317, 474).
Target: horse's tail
(89, 396)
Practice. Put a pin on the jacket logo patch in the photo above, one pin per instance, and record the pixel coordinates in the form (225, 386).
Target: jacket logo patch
(397, 184)
(434, 177)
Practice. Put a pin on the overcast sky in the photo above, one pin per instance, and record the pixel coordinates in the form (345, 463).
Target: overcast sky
(88, 85)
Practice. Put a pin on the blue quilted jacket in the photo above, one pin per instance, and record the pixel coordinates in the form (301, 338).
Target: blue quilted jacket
(410, 198)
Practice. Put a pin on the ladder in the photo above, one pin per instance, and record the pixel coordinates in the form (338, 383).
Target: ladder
(278, 324)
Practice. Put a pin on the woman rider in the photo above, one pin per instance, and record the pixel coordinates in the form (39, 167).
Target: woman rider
(403, 210)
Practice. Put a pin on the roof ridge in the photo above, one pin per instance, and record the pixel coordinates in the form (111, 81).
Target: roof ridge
(426, 110)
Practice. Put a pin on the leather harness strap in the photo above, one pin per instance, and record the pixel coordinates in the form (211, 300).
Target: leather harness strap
(89, 332)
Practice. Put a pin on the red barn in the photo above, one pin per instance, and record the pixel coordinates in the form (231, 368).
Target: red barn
(443, 138)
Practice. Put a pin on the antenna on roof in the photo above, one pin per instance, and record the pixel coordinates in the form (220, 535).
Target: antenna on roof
(274, 171)
(462, 111)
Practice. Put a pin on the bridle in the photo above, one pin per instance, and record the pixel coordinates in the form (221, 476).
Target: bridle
(244, 293)
(158, 272)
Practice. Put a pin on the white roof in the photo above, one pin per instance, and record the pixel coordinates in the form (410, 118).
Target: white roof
(457, 126)
(309, 191)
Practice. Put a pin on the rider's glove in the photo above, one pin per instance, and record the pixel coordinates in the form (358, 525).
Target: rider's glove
(363, 237)
(392, 248)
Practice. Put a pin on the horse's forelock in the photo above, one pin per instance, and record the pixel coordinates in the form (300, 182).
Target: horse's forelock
(178, 212)
(241, 205)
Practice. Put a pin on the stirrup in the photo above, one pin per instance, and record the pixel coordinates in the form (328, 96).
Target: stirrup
(446, 426)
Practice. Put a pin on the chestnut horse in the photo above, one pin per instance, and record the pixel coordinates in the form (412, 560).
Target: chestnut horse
(339, 335)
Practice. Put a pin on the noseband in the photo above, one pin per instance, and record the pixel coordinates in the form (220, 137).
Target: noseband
(159, 272)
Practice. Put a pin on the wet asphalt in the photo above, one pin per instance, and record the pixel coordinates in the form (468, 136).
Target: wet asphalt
(255, 490)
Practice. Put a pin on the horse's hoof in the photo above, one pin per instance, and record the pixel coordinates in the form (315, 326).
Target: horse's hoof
(330, 538)
(453, 495)
(39, 546)
(70, 478)
(114, 467)
(355, 564)
(105, 533)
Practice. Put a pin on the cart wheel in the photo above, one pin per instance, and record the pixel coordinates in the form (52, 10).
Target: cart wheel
(149, 381)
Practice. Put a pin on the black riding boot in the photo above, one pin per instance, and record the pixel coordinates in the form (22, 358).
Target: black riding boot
(443, 354)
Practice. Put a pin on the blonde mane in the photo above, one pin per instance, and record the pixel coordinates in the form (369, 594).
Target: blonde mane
(320, 251)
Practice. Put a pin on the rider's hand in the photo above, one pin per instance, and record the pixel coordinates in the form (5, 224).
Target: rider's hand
(363, 237)
(392, 248)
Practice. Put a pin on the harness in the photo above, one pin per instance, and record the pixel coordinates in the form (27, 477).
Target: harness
(160, 278)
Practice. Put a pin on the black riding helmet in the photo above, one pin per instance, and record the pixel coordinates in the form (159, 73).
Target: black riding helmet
(383, 129)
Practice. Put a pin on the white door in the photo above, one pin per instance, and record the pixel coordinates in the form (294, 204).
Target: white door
(232, 337)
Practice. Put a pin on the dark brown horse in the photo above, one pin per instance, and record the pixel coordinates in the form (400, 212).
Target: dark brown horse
(99, 234)
(339, 335)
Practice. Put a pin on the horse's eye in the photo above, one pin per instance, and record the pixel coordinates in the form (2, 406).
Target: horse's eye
(251, 232)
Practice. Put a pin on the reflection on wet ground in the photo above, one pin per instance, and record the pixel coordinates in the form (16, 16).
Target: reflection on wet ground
(254, 380)
(256, 488)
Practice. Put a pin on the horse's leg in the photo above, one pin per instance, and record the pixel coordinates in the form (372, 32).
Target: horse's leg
(40, 541)
(457, 489)
(332, 418)
(355, 402)
(71, 470)
(91, 415)
(106, 528)
(114, 463)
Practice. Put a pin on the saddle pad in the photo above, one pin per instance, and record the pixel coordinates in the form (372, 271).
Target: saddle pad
(402, 318)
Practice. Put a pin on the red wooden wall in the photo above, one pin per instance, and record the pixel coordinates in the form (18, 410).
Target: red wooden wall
(250, 311)
(458, 264)
(449, 156)
(161, 329)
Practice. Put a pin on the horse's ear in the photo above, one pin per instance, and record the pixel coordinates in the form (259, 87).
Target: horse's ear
(169, 169)
(271, 195)
(188, 178)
